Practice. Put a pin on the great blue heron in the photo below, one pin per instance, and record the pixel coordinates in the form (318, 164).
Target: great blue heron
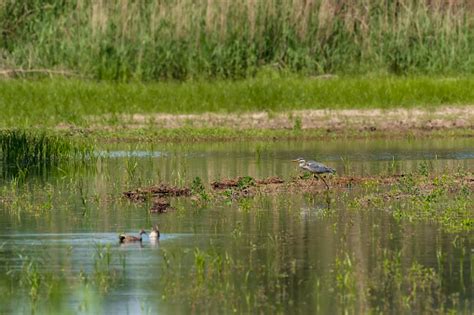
(315, 168)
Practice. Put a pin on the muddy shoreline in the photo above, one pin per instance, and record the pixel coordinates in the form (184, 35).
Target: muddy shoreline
(160, 195)
(330, 120)
(436, 122)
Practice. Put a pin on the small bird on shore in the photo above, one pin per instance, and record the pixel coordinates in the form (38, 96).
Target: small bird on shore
(124, 238)
(155, 233)
(315, 168)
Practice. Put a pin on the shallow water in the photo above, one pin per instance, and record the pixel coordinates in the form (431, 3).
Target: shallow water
(285, 253)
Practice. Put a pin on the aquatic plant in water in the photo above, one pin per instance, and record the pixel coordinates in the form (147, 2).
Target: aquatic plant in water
(24, 150)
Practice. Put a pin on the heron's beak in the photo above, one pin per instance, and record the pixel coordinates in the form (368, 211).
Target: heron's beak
(294, 161)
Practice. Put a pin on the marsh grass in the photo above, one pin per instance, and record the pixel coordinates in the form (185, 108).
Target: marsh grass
(198, 189)
(444, 199)
(67, 103)
(24, 150)
(152, 40)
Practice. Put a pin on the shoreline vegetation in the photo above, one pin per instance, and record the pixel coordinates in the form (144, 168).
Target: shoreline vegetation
(438, 122)
(271, 106)
(417, 189)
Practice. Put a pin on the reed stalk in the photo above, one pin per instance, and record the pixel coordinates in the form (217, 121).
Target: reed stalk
(25, 149)
(183, 39)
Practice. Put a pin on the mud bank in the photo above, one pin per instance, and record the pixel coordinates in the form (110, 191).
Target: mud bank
(399, 120)
(245, 187)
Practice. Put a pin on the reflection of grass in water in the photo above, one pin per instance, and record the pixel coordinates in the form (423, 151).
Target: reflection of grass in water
(219, 281)
(37, 284)
(105, 275)
(345, 281)
(415, 288)
(32, 278)
(212, 283)
(42, 199)
(51, 289)
(36, 200)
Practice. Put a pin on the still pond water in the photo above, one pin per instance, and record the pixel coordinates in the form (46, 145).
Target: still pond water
(291, 253)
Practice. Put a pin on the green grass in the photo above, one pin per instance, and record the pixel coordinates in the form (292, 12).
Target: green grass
(25, 150)
(190, 134)
(155, 40)
(79, 102)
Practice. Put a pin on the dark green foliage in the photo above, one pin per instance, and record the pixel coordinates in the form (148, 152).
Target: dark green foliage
(245, 182)
(33, 149)
(197, 186)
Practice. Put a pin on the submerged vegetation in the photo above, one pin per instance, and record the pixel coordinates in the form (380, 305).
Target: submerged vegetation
(152, 40)
(47, 289)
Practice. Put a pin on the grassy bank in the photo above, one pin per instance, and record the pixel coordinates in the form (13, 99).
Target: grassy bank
(80, 102)
(154, 40)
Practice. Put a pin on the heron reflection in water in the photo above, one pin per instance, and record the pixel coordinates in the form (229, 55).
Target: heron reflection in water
(315, 168)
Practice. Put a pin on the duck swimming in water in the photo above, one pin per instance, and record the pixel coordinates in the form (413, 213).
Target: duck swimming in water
(155, 233)
(130, 238)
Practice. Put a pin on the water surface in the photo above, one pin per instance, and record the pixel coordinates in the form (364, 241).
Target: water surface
(283, 253)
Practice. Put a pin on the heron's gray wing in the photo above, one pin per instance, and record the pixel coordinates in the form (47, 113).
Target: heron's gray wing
(318, 168)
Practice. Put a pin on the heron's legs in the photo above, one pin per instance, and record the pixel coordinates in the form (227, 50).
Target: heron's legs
(327, 186)
(320, 177)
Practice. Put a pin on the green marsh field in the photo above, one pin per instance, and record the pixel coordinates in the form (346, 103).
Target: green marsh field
(116, 116)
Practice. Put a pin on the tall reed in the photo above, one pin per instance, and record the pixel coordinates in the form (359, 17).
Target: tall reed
(181, 39)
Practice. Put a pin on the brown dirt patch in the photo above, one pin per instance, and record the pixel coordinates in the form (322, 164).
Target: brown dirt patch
(438, 118)
(159, 194)
(245, 182)
(242, 187)
(163, 190)
(160, 205)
